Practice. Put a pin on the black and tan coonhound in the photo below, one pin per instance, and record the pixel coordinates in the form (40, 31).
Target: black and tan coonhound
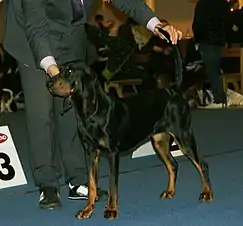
(111, 126)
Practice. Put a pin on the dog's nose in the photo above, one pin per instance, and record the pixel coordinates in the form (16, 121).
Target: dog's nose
(49, 84)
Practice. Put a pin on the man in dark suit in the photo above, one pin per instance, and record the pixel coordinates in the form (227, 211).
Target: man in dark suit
(41, 35)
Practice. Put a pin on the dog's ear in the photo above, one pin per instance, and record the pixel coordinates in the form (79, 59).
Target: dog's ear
(67, 105)
(89, 92)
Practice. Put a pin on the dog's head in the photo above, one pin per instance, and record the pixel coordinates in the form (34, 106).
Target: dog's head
(71, 79)
(59, 85)
(76, 81)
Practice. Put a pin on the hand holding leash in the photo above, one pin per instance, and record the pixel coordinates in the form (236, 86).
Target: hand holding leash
(168, 32)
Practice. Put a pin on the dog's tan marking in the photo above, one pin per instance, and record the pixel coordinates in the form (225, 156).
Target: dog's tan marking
(161, 145)
(88, 210)
(61, 88)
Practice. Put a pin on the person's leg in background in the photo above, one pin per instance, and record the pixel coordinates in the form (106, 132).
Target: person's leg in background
(43, 149)
(211, 56)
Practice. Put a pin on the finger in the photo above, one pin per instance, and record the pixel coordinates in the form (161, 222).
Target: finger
(161, 35)
(179, 33)
(175, 36)
(172, 35)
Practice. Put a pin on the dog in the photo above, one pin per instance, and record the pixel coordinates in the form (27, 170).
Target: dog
(8, 101)
(10, 88)
(111, 127)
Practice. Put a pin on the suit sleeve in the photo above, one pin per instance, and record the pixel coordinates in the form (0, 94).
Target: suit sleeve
(137, 9)
(36, 28)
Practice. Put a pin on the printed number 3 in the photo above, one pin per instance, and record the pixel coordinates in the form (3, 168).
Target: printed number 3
(6, 165)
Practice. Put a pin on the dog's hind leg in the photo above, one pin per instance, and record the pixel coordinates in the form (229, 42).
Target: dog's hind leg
(186, 142)
(111, 211)
(178, 124)
(88, 210)
(180, 128)
(178, 121)
(161, 143)
(189, 148)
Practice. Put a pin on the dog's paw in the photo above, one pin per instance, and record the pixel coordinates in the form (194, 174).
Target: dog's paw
(110, 214)
(84, 214)
(206, 196)
(167, 194)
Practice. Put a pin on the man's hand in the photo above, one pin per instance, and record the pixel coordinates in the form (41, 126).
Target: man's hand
(53, 70)
(175, 34)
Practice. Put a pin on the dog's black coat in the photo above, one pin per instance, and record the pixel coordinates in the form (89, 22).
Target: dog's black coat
(125, 123)
(145, 111)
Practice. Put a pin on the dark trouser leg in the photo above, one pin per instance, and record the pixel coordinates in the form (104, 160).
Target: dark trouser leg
(47, 130)
(211, 56)
(39, 107)
(72, 151)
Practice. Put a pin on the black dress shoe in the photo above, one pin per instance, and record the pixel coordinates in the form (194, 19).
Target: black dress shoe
(49, 198)
(81, 192)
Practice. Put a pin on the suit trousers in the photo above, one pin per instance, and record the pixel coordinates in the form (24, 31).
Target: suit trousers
(52, 139)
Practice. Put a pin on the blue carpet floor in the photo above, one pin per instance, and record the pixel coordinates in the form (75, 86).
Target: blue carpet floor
(219, 135)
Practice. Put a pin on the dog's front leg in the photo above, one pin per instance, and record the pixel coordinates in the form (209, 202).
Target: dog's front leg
(88, 210)
(111, 211)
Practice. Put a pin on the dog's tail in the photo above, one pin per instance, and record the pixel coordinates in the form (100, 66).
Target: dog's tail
(177, 58)
(178, 66)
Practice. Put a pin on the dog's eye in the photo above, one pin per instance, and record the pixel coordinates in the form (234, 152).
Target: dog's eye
(68, 73)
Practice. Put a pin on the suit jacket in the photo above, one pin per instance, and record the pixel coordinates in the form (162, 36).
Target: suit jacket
(35, 29)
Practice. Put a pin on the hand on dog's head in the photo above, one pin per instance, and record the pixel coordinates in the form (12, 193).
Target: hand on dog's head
(71, 74)
(59, 86)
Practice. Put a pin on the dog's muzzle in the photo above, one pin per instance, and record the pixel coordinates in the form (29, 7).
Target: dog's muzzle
(59, 86)
(50, 83)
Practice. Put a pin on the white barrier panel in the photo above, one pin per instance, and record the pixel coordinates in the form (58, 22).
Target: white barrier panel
(11, 171)
(147, 149)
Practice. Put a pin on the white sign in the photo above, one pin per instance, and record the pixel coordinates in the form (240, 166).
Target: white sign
(11, 171)
(147, 149)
